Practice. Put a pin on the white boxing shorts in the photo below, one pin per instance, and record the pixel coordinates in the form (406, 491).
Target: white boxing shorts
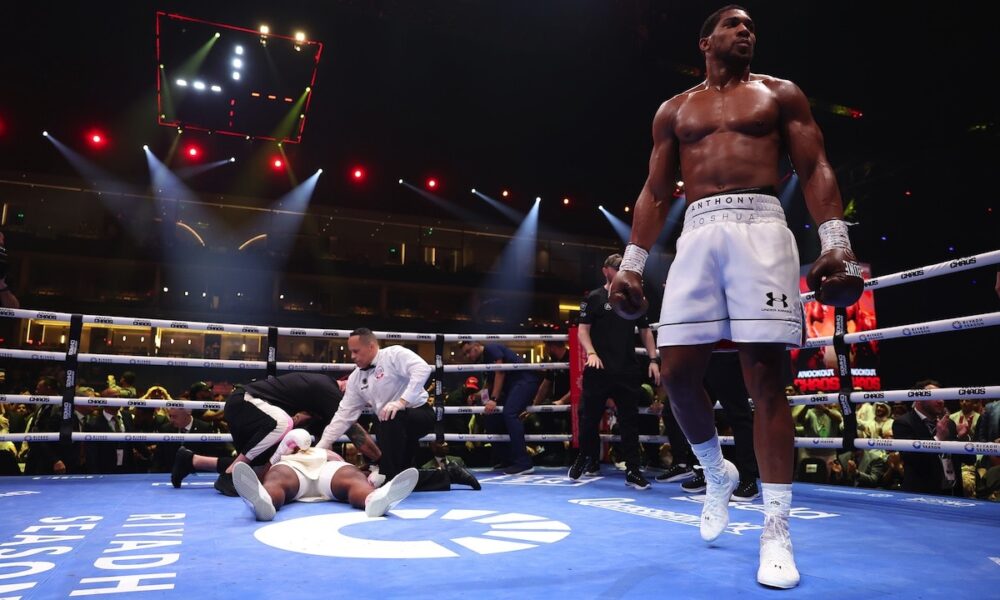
(735, 276)
(314, 475)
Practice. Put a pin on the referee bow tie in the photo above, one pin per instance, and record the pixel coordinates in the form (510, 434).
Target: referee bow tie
(368, 368)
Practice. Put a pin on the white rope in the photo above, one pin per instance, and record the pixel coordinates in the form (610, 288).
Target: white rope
(834, 443)
(321, 367)
(486, 437)
(189, 404)
(955, 393)
(168, 361)
(480, 367)
(166, 324)
(477, 410)
(929, 446)
(32, 354)
(345, 333)
(29, 437)
(940, 326)
(507, 337)
(90, 401)
(943, 268)
(86, 436)
(23, 313)
(26, 399)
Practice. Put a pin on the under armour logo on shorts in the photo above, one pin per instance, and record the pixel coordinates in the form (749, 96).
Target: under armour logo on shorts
(771, 300)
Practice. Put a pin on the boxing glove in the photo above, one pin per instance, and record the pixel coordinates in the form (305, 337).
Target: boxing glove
(626, 296)
(294, 440)
(836, 277)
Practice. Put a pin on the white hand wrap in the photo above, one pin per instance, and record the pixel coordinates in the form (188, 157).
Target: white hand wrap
(833, 234)
(375, 478)
(294, 440)
(634, 259)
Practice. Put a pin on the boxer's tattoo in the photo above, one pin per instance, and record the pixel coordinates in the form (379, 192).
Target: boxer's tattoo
(363, 442)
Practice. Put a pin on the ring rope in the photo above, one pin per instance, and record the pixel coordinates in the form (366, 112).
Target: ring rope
(928, 272)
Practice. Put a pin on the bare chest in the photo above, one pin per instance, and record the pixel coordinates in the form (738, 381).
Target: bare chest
(748, 110)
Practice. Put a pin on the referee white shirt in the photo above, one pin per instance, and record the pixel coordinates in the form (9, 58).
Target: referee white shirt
(395, 373)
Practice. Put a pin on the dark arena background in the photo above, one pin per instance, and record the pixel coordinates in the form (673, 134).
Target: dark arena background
(198, 195)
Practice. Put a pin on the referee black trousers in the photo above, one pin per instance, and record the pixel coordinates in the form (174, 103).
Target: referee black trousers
(623, 388)
(399, 438)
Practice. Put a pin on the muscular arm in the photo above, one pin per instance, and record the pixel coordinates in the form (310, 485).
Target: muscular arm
(364, 443)
(654, 199)
(804, 141)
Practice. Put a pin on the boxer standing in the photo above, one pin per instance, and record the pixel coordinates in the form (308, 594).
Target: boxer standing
(736, 272)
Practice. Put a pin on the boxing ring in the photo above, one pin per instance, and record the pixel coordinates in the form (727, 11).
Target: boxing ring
(521, 536)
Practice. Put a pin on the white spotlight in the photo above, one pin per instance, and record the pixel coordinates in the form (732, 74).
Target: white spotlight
(319, 171)
(600, 207)
(145, 147)
(239, 50)
(182, 83)
(299, 36)
(232, 159)
(236, 75)
(264, 29)
(237, 63)
(538, 198)
(216, 89)
(46, 134)
(473, 190)
(400, 181)
(198, 85)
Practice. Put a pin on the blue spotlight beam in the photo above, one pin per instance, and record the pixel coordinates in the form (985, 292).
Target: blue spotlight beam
(508, 212)
(463, 214)
(283, 222)
(514, 271)
(191, 171)
(622, 228)
(88, 169)
(175, 201)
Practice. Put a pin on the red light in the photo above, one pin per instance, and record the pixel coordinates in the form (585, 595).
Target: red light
(96, 139)
(193, 151)
(358, 174)
(432, 183)
(276, 163)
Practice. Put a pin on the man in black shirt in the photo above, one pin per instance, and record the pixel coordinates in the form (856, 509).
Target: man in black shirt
(612, 372)
(260, 413)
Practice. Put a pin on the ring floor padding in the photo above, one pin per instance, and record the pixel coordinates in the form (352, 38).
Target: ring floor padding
(537, 536)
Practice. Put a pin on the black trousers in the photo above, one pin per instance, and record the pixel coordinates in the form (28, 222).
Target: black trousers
(623, 388)
(399, 438)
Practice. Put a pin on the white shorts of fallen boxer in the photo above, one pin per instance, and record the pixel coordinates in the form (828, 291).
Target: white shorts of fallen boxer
(314, 472)
(735, 276)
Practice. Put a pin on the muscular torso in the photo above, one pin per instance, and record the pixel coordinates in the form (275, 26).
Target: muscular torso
(728, 139)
